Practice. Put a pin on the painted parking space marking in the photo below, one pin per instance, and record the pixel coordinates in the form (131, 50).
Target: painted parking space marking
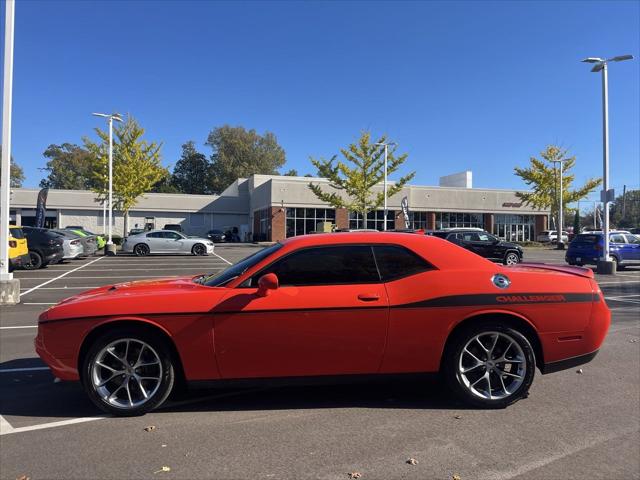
(60, 276)
(18, 327)
(7, 429)
(26, 369)
(224, 259)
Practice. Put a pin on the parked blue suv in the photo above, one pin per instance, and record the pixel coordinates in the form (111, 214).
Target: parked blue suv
(586, 249)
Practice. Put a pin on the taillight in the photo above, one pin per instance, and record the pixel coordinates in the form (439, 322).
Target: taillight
(598, 247)
(13, 244)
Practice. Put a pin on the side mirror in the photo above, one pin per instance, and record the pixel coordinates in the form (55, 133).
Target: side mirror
(266, 283)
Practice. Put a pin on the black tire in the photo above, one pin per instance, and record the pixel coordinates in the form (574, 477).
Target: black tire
(199, 250)
(511, 258)
(157, 396)
(453, 362)
(141, 250)
(36, 261)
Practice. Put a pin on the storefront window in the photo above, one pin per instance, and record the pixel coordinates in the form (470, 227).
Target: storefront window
(459, 219)
(514, 228)
(301, 221)
(375, 220)
(418, 220)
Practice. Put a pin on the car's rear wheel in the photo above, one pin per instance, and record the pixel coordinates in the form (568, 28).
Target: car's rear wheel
(141, 250)
(489, 365)
(35, 261)
(128, 372)
(511, 258)
(199, 249)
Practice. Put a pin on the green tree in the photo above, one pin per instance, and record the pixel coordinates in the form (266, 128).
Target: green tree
(239, 153)
(625, 211)
(16, 174)
(355, 183)
(291, 173)
(544, 180)
(136, 165)
(70, 167)
(192, 172)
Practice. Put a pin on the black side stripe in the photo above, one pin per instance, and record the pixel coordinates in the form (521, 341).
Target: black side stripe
(477, 300)
(505, 299)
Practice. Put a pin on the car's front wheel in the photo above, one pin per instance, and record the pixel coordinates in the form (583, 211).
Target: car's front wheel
(128, 372)
(36, 261)
(511, 258)
(489, 365)
(199, 249)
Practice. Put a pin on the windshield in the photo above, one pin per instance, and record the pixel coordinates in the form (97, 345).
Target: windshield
(223, 277)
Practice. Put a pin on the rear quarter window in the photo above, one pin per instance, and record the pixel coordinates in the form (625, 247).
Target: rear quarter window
(396, 262)
(16, 233)
(587, 238)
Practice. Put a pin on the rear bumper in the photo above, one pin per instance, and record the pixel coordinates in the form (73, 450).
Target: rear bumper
(20, 260)
(54, 257)
(567, 363)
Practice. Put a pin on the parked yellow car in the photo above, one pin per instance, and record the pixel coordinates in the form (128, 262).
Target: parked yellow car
(18, 248)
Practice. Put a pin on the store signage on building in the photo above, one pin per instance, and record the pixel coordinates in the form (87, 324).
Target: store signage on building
(511, 205)
(405, 211)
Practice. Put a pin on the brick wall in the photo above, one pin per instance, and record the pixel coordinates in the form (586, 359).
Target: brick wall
(541, 224)
(342, 218)
(278, 224)
(488, 221)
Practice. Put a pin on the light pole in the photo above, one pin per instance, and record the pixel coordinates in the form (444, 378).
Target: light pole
(109, 248)
(386, 153)
(560, 242)
(9, 287)
(605, 265)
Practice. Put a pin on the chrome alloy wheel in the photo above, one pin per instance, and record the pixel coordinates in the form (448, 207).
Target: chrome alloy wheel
(126, 373)
(512, 259)
(492, 365)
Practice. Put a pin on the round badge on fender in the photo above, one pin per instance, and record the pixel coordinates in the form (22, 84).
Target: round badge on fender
(500, 280)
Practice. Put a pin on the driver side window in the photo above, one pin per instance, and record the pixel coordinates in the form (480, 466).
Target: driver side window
(337, 265)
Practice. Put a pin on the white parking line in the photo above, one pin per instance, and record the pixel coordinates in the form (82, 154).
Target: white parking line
(224, 259)
(60, 276)
(16, 328)
(623, 282)
(26, 369)
(80, 278)
(6, 427)
(39, 303)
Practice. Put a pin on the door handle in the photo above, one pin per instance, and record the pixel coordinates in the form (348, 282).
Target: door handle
(368, 297)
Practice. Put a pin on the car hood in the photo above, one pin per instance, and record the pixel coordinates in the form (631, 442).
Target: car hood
(145, 297)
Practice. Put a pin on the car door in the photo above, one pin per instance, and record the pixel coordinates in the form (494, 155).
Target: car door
(156, 242)
(617, 246)
(173, 242)
(329, 316)
(633, 247)
(471, 241)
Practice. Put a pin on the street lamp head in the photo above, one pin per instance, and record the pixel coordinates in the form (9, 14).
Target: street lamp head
(598, 67)
(593, 60)
(621, 58)
(116, 117)
(100, 115)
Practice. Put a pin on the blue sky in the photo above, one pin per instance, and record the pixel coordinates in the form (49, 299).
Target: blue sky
(459, 85)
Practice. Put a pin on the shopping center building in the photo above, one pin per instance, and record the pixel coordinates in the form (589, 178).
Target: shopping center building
(271, 208)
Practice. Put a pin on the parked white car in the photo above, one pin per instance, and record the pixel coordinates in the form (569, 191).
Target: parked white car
(547, 236)
(166, 241)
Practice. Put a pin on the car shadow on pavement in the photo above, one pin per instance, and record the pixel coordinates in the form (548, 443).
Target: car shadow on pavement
(35, 394)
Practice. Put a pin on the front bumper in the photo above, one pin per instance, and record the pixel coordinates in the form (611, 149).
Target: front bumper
(209, 248)
(60, 367)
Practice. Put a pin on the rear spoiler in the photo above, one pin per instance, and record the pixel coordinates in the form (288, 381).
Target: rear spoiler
(580, 271)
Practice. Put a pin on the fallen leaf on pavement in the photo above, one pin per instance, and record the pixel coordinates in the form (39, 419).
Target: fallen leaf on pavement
(456, 477)
(579, 371)
(355, 475)
(149, 428)
(457, 417)
(412, 461)
(23, 477)
(163, 469)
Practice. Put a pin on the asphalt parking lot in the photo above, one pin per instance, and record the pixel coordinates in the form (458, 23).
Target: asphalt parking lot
(573, 425)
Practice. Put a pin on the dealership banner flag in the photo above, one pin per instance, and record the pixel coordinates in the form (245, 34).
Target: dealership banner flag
(41, 208)
(405, 211)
